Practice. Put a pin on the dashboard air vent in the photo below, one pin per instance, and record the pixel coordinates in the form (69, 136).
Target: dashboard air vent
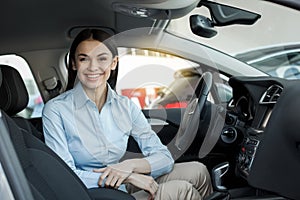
(271, 95)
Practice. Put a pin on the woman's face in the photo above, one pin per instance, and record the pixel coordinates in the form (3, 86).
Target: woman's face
(93, 62)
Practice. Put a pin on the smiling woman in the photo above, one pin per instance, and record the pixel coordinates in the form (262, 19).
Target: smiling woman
(160, 61)
(99, 122)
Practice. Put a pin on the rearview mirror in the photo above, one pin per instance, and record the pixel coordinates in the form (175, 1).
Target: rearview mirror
(202, 26)
(221, 15)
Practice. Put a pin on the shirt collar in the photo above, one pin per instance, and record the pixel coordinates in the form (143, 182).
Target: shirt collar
(80, 97)
(111, 94)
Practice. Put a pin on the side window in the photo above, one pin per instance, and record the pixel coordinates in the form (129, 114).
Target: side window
(35, 104)
(148, 78)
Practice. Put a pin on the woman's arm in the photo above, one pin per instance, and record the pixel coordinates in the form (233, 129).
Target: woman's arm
(115, 175)
(156, 154)
(55, 138)
(157, 161)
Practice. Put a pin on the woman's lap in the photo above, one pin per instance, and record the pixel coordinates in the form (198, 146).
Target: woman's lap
(187, 180)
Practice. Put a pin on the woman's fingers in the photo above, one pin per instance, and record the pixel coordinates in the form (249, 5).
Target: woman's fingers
(100, 170)
(153, 189)
(119, 182)
(103, 176)
(112, 177)
(109, 180)
(114, 181)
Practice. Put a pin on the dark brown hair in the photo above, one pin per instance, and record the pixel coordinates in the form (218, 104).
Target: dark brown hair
(95, 34)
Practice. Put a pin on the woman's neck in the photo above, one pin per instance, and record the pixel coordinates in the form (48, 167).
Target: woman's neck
(98, 95)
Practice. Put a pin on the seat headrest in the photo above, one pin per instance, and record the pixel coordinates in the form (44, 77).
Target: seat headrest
(13, 93)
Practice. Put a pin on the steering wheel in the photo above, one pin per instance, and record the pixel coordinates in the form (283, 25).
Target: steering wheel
(191, 119)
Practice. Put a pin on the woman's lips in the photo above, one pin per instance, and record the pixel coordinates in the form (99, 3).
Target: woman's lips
(94, 76)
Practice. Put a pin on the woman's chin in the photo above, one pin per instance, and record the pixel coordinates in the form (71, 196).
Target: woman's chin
(94, 85)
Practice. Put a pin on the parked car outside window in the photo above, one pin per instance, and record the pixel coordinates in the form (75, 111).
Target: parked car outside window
(279, 61)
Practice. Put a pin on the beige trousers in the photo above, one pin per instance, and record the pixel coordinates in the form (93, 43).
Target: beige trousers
(188, 180)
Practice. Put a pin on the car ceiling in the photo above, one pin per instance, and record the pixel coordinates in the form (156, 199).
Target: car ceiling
(36, 25)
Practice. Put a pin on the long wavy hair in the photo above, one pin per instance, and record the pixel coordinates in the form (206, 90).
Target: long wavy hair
(95, 34)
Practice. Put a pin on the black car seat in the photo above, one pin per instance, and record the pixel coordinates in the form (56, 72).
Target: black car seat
(14, 98)
(48, 176)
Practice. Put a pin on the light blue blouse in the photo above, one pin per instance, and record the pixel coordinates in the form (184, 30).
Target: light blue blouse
(86, 139)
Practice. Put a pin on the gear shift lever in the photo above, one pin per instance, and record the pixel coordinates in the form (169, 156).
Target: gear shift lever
(217, 173)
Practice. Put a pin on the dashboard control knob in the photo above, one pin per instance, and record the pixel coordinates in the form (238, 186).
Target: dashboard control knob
(229, 134)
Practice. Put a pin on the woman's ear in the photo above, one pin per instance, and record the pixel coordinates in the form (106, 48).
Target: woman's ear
(114, 63)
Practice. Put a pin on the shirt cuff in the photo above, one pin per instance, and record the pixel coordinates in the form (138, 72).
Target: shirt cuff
(160, 165)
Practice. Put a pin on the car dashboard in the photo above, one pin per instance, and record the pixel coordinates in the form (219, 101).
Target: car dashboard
(248, 113)
(265, 112)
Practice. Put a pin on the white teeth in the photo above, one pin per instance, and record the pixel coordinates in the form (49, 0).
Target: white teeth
(93, 76)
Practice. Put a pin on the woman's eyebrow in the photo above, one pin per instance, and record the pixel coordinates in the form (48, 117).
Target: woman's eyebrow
(82, 54)
(103, 54)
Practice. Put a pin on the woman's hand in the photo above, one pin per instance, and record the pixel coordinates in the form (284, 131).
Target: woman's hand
(115, 174)
(144, 182)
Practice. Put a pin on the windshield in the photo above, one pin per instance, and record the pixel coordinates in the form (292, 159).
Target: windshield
(271, 44)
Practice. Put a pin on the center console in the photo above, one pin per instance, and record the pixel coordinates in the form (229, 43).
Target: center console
(246, 156)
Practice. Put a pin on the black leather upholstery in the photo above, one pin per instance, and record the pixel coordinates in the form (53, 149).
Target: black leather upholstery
(48, 176)
(14, 96)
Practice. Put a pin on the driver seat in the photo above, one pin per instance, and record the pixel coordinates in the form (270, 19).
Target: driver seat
(48, 176)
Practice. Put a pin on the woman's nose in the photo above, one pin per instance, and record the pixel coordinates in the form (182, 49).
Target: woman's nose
(94, 66)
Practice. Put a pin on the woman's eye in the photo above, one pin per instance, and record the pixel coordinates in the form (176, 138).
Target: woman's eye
(102, 59)
(83, 59)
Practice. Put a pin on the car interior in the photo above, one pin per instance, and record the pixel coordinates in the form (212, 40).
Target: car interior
(250, 144)
(35, 157)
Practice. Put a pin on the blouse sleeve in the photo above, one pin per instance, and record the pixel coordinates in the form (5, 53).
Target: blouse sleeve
(157, 154)
(55, 138)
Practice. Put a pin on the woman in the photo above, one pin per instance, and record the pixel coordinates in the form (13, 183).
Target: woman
(88, 127)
